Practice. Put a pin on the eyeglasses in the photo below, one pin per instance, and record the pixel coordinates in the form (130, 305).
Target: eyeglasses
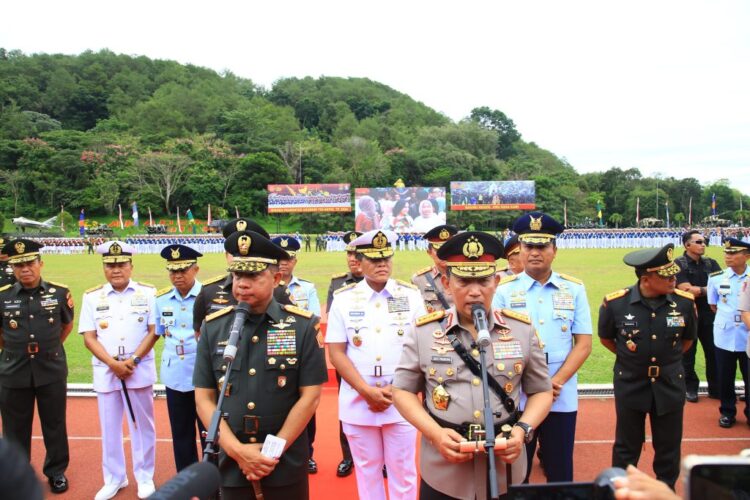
(700, 242)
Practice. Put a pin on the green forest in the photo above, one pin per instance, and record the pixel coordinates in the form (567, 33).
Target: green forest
(100, 129)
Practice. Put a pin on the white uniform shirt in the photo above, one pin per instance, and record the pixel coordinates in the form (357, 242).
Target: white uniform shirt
(374, 326)
(121, 321)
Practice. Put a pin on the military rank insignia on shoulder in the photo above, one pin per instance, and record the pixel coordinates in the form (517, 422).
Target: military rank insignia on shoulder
(219, 313)
(338, 275)
(508, 279)
(517, 315)
(683, 293)
(716, 273)
(571, 278)
(407, 284)
(429, 318)
(298, 311)
(147, 285)
(164, 291)
(423, 271)
(616, 295)
(343, 288)
(5, 288)
(61, 285)
(94, 288)
(215, 279)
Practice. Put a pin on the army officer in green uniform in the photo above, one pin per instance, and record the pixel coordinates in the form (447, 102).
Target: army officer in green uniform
(436, 361)
(275, 381)
(37, 316)
(648, 326)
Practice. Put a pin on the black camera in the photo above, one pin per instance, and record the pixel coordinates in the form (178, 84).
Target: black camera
(602, 488)
(717, 477)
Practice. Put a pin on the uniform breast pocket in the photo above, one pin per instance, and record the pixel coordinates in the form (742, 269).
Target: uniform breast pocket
(564, 321)
(282, 375)
(505, 370)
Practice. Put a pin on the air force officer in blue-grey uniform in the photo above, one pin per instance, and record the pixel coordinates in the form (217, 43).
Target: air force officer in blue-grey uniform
(559, 310)
(174, 323)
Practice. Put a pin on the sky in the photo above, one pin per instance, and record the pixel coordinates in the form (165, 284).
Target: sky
(662, 86)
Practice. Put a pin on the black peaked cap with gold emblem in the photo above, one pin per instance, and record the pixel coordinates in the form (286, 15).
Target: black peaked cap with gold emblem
(471, 254)
(658, 260)
(243, 224)
(511, 246)
(440, 234)
(21, 250)
(375, 244)
(290, 244)
(350, 236)
(252, 252)
(733, 245)
(537, 228)
(179, 257)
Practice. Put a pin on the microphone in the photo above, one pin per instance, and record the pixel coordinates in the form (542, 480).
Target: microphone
(200, 479)
(480, 323)
(240, 315)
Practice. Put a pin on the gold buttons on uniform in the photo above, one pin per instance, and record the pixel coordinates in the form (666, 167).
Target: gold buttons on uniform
(541, 300)
(449, 372)
(477, 414)
(282, 366)
(653, 360)
(475, 381)
(251, 371)
(653, 337)
(255, 339)
(251, 406)
(653, 314)
(500, 367)
(378, 384)
(378, 358)
(223, 368)
(377, 304)
(377, 329)
(541, 321)
(475, 352)
(653, 379)
(31, 336)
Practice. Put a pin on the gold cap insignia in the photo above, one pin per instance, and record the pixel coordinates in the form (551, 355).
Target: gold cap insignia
(175, 253)
(115, 249)
(20, 247)
(379, 241)
(241, 225)
(444, 234)
(535, 224)
(352, 237)
(244, 242)
(473, 249)
(284, 242)
(670, 255)
(727, 244)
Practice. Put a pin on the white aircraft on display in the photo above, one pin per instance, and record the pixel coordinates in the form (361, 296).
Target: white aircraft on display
(23, 223)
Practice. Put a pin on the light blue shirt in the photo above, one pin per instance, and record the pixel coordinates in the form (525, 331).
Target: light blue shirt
(304, 295)
(174, 321)
(558, 310)
(723, 291)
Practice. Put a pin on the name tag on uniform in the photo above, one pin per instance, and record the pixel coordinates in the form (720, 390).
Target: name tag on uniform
(675, 321)
(398, 304)
(443, 360)
(563, 300)
(102, 307)
(507, 350)
(139, 301)
(356, 314)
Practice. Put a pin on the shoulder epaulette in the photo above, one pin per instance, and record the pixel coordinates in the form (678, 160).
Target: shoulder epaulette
(298, 311)
(683, 293)
(303, 279)
(347, 287)
(429, 318)
(423, 271)
(164, 291)
(220, 312)
(508, 279)
(517, 315)
(5, 288)
(61, 285)
(338, 275)
(570, 278)
(407, 284)
(94, 288)
(501, 270)
(716, 273)
(616, 295)
(215, 279)
(143, 283)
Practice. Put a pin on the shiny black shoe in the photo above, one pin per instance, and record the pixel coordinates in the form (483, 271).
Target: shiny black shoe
(346, 466)
(385, 472)
(58, 483)
(312, 466)
(691, 397)
(726, 421)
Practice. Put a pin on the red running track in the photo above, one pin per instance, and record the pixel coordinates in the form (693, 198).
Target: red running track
(596, 425)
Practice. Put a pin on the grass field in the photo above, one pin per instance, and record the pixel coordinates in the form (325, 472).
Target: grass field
(601, 270)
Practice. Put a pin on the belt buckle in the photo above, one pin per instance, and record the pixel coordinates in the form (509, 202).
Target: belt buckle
(475, 433)
(653, 371)
(378, 372)
(32, 347)
(250, 424)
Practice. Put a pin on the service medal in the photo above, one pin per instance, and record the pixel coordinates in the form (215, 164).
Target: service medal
(357, 339)
(103, 325)
(440, 398)
(632, 346)
(13, 324)
(281, 381)
(508, 387)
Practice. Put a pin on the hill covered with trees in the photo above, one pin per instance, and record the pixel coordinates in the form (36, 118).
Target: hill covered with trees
(97, 129)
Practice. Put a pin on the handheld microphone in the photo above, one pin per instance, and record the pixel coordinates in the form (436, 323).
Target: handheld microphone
(480, 323)
(240, 315)
(200, 479)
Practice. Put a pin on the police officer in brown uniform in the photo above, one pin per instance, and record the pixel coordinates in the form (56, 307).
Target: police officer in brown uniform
(436, 361)
(216, 293)
(648, 326)
(275, 381)
(429, 279)
(37, 316)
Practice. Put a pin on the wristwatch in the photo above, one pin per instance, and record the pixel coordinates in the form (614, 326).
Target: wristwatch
(528, 431)
(136, 360)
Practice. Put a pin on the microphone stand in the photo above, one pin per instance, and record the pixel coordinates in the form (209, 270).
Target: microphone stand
(489, 428)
